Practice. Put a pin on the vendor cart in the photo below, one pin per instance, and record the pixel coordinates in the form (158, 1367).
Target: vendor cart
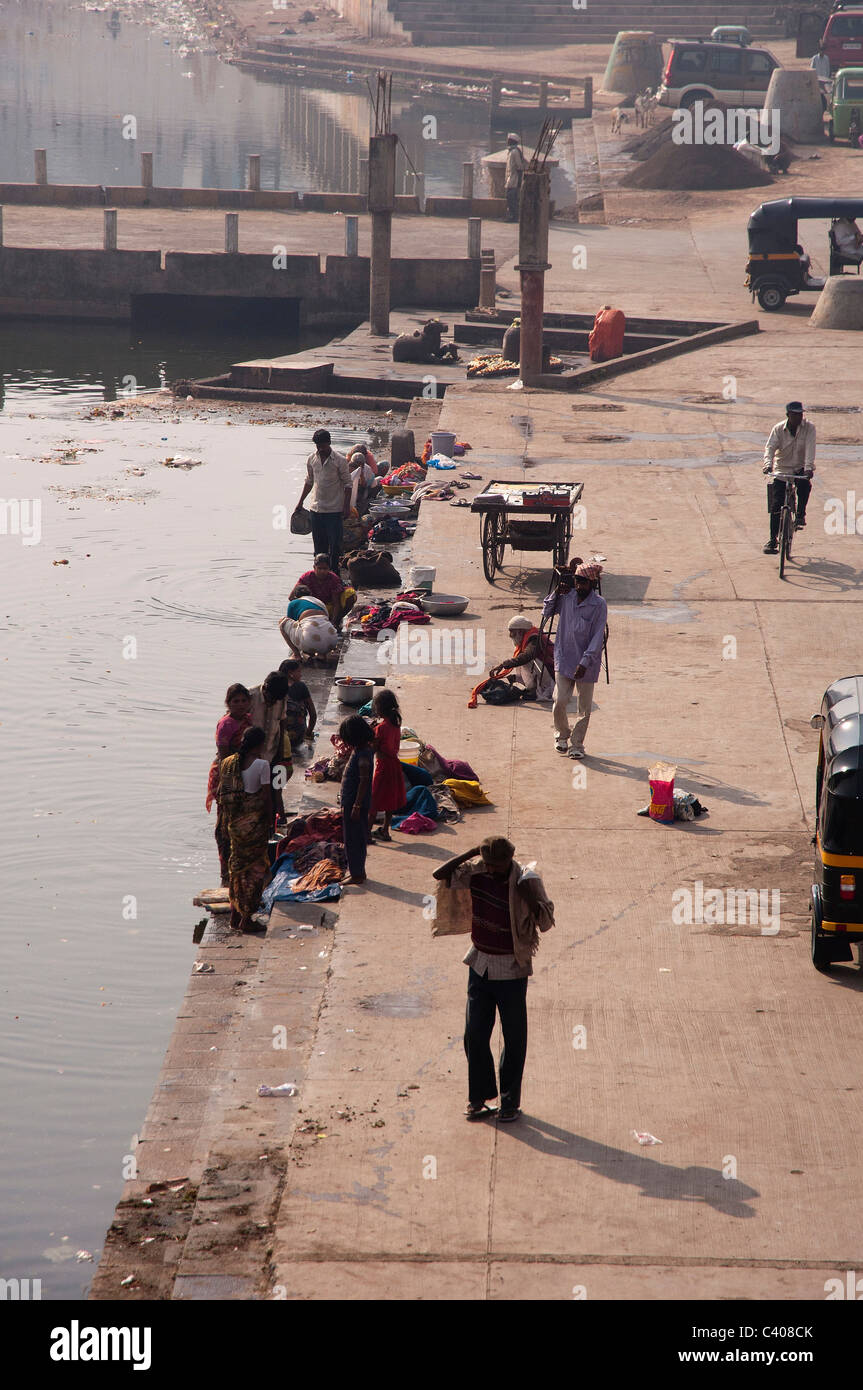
(525, 516)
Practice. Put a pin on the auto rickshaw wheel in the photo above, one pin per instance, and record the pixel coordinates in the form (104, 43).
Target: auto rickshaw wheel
(819, 952)
(771, 296)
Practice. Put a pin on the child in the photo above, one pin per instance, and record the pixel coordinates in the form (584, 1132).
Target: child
(356, 791)
(389, 792)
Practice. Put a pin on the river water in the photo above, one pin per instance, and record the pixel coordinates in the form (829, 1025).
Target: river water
(114, 664)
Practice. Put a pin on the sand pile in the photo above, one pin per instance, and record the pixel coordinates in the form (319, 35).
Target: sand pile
(647, 142)
(695, 167)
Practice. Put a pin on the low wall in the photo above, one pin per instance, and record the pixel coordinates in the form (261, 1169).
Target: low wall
(233, 199)
(44, 282)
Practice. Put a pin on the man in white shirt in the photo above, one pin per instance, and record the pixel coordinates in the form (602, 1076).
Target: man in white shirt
(848, 238)
(328, 479)
(820, 65)
(789, 453)
(515, 167)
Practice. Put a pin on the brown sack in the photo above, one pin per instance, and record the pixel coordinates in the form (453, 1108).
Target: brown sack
(453, 911)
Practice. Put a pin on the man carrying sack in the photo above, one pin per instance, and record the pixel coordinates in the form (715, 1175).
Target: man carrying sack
(509, 908)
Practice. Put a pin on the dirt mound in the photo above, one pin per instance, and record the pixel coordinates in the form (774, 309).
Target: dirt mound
(647, 142)
(695, 167)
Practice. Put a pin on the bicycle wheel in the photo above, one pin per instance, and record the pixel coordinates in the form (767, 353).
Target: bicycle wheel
(489, 548)
(784, 543)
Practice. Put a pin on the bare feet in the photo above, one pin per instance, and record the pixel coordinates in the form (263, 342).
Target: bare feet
(352, 882)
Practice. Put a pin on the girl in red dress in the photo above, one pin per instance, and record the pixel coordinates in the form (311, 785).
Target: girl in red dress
(389, 791)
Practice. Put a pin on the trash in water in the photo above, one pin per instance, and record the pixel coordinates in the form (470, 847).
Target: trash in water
(124, 1283)
(202, 968)
(82, 1255)
(287, 1089)
(644, 1138)
(181, 461)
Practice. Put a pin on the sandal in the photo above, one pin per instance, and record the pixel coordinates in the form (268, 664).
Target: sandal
(478, 1112)
(380, 834)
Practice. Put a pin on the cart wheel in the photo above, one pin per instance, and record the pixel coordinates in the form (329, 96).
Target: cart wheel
(820, 957)
(500, 539)
(489, 546)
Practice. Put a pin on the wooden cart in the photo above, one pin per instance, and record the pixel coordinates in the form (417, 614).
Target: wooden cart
(525, 516)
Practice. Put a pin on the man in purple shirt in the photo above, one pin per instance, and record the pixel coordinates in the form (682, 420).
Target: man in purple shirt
(582, 615)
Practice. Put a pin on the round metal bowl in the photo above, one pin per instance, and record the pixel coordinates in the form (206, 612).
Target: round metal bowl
(354, 692)
(444, 605)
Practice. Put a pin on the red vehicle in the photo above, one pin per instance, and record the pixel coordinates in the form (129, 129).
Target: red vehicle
(843, 38)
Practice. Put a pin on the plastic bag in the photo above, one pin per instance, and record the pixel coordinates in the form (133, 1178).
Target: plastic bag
(301, 522)
(453, 911)
(662, 791)
(498, 692)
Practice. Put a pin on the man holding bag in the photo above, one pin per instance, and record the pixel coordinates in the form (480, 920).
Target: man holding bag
(509, 908)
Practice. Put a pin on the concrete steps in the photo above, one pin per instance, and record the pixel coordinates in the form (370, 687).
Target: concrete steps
(507, 23)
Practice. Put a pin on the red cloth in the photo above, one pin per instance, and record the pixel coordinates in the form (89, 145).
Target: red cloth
(606, 336)
(325, 587)
(388, 783)
(416, 824)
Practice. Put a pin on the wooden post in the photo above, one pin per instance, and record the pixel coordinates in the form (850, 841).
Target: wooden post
(352, 236)
(588, 96)
(40, 166)
(533, 263)
(420, 190)
(255, 173)
(467, 180)
(1, 226)
(543, 95)
(474, 237)
(146, 171)
(109, 241)
(232, 232)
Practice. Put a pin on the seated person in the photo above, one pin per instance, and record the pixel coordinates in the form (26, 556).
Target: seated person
(300, 713)
(848, 238)
(365, 482)
(302, 602)
(531, 666)
(323, 584)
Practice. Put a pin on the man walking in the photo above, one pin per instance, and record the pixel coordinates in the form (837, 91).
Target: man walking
(509, 908)
(515, 167)
(328, 479)
(788, 453)
(582, 615)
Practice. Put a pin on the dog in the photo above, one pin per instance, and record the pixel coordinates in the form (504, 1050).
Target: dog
(645, 104)
(618, 120)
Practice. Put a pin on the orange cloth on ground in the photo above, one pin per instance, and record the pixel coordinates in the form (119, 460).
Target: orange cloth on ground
(606, 336)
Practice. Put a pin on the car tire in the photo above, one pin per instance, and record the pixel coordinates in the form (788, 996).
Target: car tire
(690, 98)
(771, 297)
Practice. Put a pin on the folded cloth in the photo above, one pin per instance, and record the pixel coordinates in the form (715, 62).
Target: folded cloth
(467, 792)
(447, 806)
(416, 825)
(282, 887)
(318, 876)
(419, 801)
(307, 856)
(441, 767)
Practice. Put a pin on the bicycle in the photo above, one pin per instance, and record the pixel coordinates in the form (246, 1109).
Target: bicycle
(787, 518)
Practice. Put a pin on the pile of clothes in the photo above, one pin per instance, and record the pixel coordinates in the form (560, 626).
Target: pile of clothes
(386, 617)
(405, 473)
(310, 861)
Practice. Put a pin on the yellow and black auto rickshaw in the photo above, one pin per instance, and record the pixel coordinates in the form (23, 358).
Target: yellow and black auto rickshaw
(778, 266)
(837, 893)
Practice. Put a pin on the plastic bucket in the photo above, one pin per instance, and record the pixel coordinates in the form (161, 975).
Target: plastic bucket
(409, 751)
(443, 442)
(422, 577)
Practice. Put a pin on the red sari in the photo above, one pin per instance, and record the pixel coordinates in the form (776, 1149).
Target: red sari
(389, 792)
(229, 735)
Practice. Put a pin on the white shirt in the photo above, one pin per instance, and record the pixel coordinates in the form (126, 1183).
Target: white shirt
(515, 165)
(845, 233)
(791, 453)
(329, 477)
(364, 475)
(820, 65)
(256, 775)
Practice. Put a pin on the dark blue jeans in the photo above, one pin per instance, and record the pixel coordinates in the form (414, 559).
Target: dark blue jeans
(327, 536)
(509, 999)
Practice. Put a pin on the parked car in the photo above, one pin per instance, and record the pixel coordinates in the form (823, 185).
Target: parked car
(843, 38)
(700, 70)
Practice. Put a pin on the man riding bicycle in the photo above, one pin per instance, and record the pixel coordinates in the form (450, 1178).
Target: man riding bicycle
(789, 453)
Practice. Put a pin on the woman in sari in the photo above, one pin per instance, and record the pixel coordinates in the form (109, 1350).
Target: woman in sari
(246, 803)
(229, 732)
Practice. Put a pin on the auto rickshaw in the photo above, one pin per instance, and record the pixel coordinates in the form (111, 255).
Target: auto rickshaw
(845, 121)
(837, 892)
(777, 265)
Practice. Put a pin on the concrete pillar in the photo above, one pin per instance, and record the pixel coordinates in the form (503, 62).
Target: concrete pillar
(352, 236)
(1, 226)
(255, 173)
(382, 186)
(408, 183)
(467, 180)
(420, 190)
(533, 263)
(794, 98)
(146, 171)
(232, 232)
(474, 236)
(588, 96)
(543, 95)
(40, 166)
(364, 177)
(487, 281)
(109, 240)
